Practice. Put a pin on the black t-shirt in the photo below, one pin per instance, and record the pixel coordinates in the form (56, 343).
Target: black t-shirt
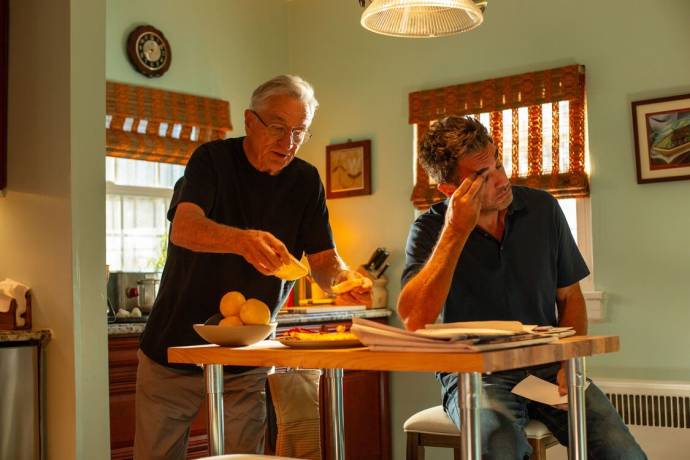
(514, 279)
(218, 178)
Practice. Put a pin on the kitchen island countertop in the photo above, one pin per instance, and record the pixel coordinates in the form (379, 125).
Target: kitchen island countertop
(284, 319)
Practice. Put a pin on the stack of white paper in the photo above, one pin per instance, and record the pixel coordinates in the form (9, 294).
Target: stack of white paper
(455, 338)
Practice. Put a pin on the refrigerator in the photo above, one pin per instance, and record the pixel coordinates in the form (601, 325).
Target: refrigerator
(19, 401)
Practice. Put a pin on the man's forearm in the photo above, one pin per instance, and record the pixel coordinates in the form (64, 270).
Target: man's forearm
(200, 234)
(572, 308)
(326, 268)
(423, 296)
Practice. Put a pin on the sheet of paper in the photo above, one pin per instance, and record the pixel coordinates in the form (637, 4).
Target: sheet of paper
(541, 391)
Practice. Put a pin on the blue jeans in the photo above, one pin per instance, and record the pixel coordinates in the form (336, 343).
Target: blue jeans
(503, 416)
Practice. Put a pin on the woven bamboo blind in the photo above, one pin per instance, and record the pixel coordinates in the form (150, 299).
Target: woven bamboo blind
(163, 126)
(522, 101)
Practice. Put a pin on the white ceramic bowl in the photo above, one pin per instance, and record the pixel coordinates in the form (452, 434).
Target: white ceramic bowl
(235, 336)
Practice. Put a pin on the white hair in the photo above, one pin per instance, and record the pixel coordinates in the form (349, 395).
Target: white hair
(285, 85)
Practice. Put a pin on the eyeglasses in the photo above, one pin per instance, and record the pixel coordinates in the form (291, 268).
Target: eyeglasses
(278, 131)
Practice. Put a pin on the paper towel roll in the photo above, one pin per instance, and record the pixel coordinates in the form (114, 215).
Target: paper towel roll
(13, 290)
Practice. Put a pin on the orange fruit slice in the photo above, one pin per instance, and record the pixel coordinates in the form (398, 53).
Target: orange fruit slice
(292, 271)
(349, 285)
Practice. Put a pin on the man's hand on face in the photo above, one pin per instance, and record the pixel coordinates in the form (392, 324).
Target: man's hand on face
(263, 251)
(465, 204)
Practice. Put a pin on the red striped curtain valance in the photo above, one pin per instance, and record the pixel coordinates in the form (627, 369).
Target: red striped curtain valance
(163, 126)
(537, 121)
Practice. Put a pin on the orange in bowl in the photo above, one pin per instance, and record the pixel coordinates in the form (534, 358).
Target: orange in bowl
(231, 321)
(231, 303)
(254, 311)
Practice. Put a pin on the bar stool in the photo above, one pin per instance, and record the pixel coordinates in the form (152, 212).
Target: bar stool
(246, 457)
(433, 428)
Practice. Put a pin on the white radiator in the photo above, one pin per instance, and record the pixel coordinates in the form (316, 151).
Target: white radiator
(657, 413)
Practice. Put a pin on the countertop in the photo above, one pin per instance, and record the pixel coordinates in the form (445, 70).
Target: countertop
(37, 335)
(129, 329)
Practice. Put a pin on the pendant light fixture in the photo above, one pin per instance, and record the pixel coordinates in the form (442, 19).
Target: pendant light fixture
(422, 18)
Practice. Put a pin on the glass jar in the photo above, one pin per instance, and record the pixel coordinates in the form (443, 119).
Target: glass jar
(379, 293)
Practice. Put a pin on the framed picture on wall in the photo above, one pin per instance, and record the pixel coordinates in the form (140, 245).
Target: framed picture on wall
(662, 138)
(4, 43)
(348, 169)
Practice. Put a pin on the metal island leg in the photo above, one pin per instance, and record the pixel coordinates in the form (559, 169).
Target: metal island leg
(469, 398)
(577, 427)
(334, 379)
(213, 373)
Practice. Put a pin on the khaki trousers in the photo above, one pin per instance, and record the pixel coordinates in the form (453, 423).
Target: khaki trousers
(168, 400)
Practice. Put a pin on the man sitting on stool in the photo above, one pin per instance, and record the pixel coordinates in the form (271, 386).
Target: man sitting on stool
(496, 252)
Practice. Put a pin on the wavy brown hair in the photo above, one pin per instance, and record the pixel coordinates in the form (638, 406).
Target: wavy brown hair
(447, 141)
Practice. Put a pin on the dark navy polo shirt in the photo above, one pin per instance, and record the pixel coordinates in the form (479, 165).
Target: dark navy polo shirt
(514, 279)
(219, 179)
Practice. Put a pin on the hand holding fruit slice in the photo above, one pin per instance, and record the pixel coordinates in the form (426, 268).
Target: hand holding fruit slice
(292, 271)
(350, 284)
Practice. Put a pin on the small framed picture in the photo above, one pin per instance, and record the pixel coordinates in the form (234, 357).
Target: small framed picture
(348, 169)
(662, 138)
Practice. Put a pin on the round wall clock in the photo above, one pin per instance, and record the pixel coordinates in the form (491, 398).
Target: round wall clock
(149, 51)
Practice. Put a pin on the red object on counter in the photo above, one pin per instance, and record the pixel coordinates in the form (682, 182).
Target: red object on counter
(290, 302)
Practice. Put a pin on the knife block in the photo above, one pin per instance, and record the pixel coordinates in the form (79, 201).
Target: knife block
(8, 320)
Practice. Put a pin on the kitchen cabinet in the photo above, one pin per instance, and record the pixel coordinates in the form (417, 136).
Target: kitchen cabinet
(122, 365)
(367, 413)
(367, 416)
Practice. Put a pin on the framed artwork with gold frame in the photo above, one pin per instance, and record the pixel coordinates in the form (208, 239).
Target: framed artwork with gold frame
(348, 169)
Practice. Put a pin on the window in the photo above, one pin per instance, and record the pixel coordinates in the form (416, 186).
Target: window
(150, 135)
(138, 194)
(537, 122)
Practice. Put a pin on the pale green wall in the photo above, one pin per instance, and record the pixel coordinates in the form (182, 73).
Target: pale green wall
(52, 225)
(220, 48)
(632, 50)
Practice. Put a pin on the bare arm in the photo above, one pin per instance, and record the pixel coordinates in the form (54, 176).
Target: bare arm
(423, 296)
(328, 269)
(192, 230)
(572, 311)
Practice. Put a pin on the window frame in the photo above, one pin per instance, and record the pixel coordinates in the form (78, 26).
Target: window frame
(593, 298)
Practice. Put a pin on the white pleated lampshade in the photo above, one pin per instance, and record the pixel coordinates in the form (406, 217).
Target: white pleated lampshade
(421, 18)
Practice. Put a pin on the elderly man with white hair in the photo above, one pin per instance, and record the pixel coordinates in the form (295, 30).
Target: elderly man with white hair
(242, 208)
